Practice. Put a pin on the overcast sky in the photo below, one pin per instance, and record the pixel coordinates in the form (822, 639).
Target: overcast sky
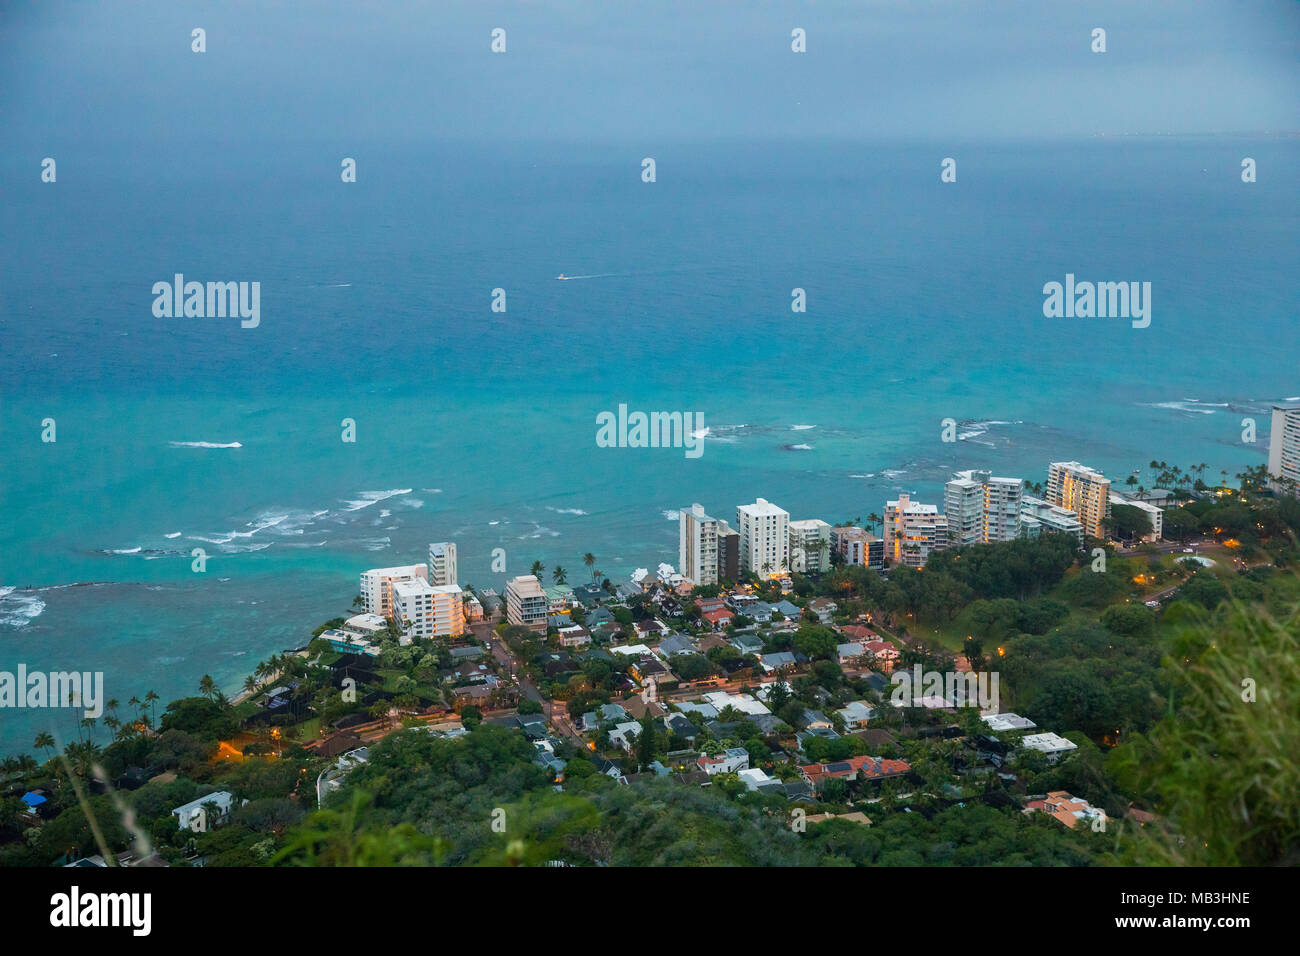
(617, 70)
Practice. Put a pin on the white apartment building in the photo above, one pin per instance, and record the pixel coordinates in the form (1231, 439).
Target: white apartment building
(912, 531)
(1154, 514)
(423, 610)
(697, 553)
(1042, 517)
(1284, 447)
(858, 546)
(963, 506)
(810, 546)
(376, 585)
(442, 563)
(982, 508)
(1083, 490)
(764, 531)
(526, 602)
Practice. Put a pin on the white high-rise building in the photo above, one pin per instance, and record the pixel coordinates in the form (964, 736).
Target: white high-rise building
(982, 508)
(442, 563)
(912, 531)
(697, 554)
(526, 603)
(764, 531)
(1284, 448)
(423, 610)
(963, 506)
(810, 546)
(376, 584)
(1083, 490)
(1002, 498)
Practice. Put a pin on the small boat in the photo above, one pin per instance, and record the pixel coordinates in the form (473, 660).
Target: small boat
(561, 276)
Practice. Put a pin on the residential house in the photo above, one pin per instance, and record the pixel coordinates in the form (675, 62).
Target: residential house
(855, 768)
(624, 734)
(614, 712)
(676, 644)
(732, 760)
(823, 607)
(682, 727)
(1068, 810)
(791, 612)
(755, 779)
(198, 816)
(574, 635)
(856, 714)
(1049, 744)
(816, 720)
(777, 663)
(1008, 722)
(850, 653)
(882, 652)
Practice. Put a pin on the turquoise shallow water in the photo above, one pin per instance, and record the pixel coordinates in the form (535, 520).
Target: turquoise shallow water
(924, 303)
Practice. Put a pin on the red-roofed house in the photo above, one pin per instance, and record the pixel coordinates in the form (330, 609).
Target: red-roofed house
(881, 651)
(857, 632)
(1067, 809)
(715, 612)
(865, 768)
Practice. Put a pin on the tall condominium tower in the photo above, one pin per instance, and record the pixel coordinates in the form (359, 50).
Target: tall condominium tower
(764, 537)
(697, 555)
(1083, 490)
(442, 563)
(982, 508)
(1284, 447)
(912, 531)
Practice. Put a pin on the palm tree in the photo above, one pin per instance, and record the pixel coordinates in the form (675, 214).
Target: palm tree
(250, 683)
(559, 575)
(589, 560)
(538, 569)
(207, 686)
(151, 698)
(875, 519)
(44, 742)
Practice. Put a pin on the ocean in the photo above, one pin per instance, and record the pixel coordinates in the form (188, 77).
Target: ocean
(924, 302)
